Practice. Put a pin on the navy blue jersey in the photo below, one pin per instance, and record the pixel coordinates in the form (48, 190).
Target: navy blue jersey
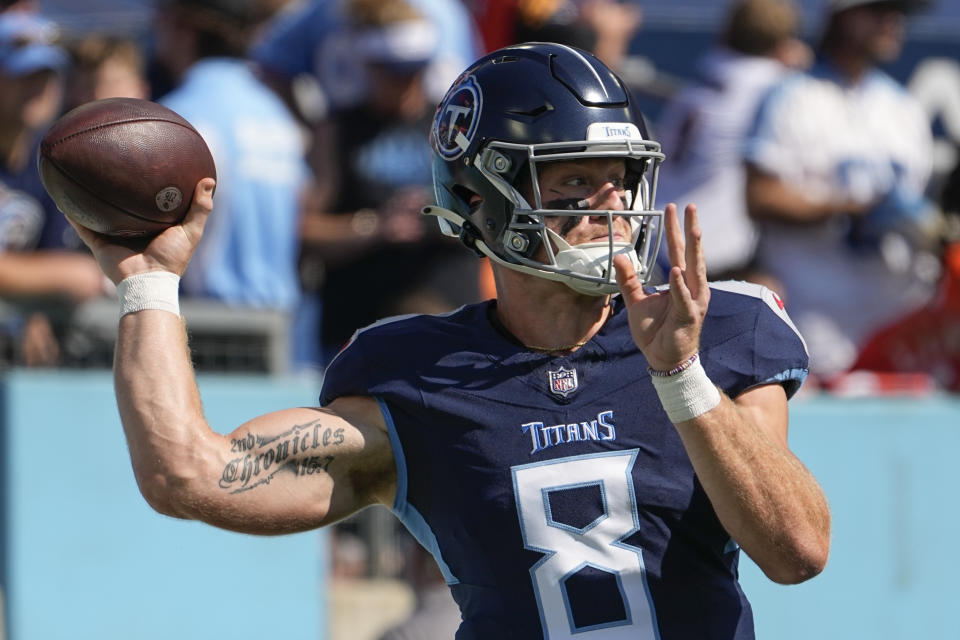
(553, 491)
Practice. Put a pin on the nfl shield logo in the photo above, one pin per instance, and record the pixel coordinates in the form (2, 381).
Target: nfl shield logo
(563, 381)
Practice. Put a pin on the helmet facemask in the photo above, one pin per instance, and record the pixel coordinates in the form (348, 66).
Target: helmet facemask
(586, 267)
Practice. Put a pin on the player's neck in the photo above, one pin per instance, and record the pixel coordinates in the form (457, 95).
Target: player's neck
(548, 316)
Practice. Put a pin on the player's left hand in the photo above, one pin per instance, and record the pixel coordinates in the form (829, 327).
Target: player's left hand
(666, 324)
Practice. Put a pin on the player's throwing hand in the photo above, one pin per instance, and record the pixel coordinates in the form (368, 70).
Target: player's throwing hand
(168, 251)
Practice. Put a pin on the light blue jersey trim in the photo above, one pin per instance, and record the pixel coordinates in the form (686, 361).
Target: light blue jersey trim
(408, 515)
(796, 376)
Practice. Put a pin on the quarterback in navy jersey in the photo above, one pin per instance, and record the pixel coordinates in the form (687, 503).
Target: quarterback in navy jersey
(509, 461)
(585, 457)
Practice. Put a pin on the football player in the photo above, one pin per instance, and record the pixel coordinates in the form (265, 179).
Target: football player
(583, 456)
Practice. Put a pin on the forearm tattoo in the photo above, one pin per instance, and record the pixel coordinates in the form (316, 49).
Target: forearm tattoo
(263, 458)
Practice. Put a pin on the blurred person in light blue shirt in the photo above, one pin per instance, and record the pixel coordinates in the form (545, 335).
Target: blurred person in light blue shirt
(248, 256)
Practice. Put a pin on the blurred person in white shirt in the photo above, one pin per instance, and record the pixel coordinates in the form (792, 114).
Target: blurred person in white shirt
(703, 127)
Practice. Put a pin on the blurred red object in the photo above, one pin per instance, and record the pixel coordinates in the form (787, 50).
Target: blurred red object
(927, 341)
(496, 21)
(881, 383)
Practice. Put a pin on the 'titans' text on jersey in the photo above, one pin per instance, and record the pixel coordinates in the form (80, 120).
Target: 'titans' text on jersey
(544, 436)
(545, 519)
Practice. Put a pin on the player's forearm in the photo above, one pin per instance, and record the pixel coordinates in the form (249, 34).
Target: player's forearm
(765, 498)
(160, 407)
(274, 474)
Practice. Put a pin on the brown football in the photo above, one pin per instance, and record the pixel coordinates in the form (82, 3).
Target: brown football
(123, 166)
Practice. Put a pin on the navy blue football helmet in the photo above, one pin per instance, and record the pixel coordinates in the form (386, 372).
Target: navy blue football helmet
(522, 106)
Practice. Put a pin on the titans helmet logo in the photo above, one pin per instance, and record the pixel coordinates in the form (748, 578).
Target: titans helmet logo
(457, 118)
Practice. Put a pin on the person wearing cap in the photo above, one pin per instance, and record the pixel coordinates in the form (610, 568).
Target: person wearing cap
(313, 46)
(32, 69)
(249, 258)
(364, 231)
(43, 275)
(838, 160)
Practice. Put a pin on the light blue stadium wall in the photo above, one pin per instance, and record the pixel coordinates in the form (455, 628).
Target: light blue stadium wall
(86, 558)
(889, 469)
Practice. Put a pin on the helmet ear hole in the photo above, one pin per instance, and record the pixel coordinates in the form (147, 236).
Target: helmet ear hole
(635, 172)
(469, 197)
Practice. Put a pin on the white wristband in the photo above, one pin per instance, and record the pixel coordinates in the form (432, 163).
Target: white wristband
(687, 394)
(151, 290)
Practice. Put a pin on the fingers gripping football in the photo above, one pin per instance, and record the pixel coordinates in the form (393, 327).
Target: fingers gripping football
(170, 251)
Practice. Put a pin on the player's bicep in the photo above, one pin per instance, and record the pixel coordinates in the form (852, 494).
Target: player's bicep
(298, 469)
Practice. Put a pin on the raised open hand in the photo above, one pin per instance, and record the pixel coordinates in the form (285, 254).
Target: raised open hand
(168, 251)
(666, 324)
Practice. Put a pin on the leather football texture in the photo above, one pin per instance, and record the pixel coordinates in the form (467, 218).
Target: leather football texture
(123, 166)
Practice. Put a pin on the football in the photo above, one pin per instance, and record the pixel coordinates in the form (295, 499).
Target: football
(123, 166)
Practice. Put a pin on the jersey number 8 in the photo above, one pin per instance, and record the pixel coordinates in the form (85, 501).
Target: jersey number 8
(589, 585)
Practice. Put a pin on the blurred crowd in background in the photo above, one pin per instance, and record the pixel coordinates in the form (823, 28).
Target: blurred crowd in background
(815, 172)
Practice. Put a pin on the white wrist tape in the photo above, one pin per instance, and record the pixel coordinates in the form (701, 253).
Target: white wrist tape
(687, 394)
(151, 290)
